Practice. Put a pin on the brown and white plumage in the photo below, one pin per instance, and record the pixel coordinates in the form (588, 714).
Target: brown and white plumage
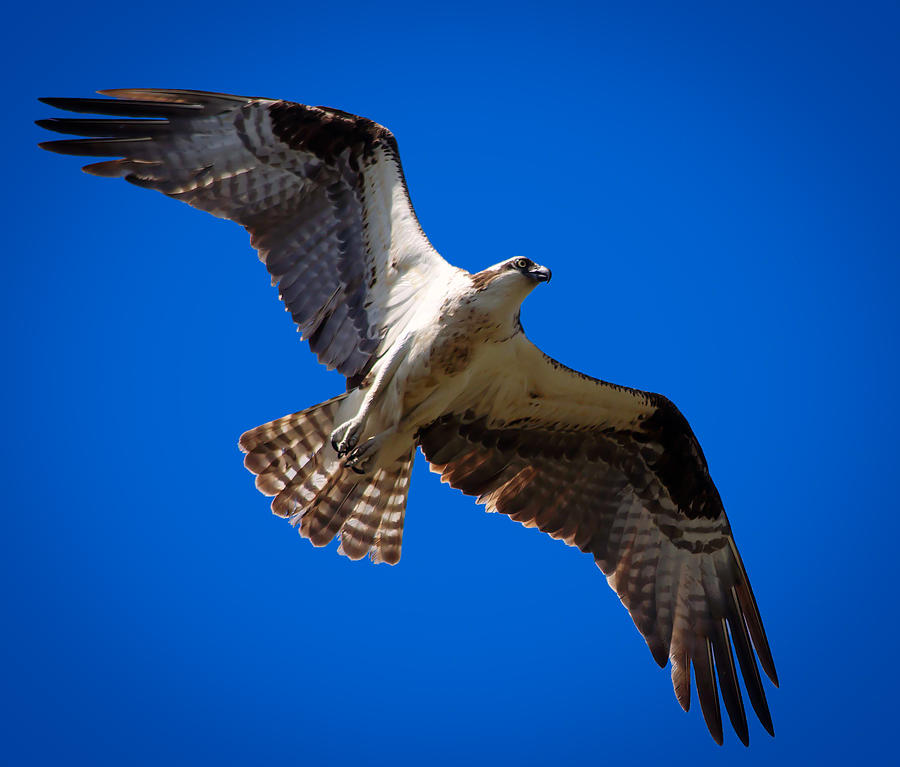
(436, 358)
(288, 458)
(618, 473)
(321, 193)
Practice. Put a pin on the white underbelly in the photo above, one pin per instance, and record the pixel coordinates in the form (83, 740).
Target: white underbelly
(473, 386)
(432, 378)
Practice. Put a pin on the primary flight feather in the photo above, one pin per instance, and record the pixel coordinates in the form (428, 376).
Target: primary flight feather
(435, 358)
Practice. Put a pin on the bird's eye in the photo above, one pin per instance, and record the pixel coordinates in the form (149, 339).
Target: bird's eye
(521, 263)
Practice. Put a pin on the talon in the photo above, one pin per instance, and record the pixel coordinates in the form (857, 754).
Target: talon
(344, 438)
(359, 458)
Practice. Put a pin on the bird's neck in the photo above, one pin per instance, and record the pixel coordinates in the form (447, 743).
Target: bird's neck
(492, 315)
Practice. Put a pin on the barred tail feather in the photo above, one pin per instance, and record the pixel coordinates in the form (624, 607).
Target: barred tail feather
(375, 526)
(293, 461)
(280, 450)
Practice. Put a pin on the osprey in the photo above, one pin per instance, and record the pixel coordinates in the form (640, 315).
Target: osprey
(435, 358)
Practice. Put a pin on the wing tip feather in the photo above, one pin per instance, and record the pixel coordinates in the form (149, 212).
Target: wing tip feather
(681, 678)
(707, 689)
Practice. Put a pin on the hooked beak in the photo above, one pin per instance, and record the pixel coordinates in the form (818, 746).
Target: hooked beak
(540, 274)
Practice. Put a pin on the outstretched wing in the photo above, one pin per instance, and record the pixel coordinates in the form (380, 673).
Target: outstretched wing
(618, 473)
(321, 192)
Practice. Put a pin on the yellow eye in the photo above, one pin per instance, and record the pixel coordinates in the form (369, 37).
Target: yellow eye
(521, 263)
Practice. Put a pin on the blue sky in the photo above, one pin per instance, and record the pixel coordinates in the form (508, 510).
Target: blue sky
(716, 192)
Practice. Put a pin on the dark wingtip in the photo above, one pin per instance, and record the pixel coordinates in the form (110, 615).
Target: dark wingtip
(60, 102)
(52, 146)
(660, 653)
(707, 689)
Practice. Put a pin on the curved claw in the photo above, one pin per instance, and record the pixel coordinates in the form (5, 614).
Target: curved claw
(344, 438)
(360, 457)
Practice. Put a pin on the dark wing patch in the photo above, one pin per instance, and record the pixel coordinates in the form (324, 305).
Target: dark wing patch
(670, 558)
(293, 175)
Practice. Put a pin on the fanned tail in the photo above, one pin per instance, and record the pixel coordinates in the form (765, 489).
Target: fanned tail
(293, 461)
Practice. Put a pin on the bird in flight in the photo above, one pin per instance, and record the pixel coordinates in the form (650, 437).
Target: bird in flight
(435, 357)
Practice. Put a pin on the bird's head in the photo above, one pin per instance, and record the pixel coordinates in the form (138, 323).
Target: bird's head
(500, 289)
(513, 279)
(531, 271)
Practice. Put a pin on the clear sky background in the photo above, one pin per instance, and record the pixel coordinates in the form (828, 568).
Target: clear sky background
(715, 186)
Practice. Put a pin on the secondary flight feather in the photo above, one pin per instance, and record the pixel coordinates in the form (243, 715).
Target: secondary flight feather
(435, 358)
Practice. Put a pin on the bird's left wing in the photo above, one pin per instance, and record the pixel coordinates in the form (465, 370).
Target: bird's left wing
(618, 473)
(321, 192)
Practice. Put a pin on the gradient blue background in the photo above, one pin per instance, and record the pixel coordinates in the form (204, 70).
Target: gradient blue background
(716, 191)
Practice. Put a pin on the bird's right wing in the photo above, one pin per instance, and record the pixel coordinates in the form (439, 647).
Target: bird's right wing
(321, 192)
(619, 474)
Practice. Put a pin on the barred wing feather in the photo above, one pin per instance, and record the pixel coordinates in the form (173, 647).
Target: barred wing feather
(321, 192)
(619, 474)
